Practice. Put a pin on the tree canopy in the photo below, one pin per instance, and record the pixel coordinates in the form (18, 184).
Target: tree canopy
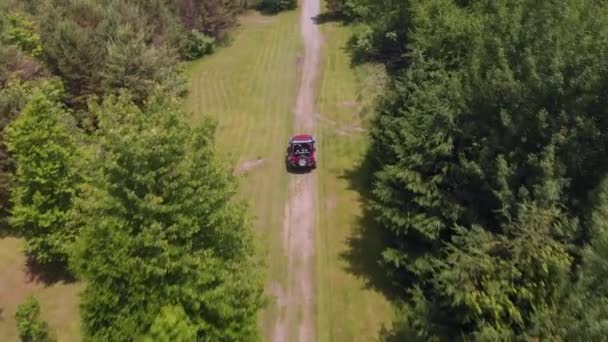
(42, 141)
(160, 227)
(487, 143)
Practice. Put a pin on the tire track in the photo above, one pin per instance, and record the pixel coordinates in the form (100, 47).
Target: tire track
(296, 298)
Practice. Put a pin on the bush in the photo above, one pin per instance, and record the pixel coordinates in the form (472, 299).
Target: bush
(196, 44)
(31, 327)
(20, 31)
(279, 5)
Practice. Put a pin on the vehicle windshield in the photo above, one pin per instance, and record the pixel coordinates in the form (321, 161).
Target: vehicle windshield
(301, 148)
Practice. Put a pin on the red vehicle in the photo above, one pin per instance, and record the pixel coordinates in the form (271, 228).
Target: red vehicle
(301, 152)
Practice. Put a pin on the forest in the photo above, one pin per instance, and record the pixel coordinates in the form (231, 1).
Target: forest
(486, 170)
(105, 179)
(489, 150)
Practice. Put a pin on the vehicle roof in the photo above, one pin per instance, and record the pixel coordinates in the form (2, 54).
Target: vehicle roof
(302, 138)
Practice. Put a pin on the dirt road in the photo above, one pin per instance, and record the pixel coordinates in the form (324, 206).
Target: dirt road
(295, 297)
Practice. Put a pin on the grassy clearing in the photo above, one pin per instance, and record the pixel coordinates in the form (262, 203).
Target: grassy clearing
(351, 303)
(249, 87)
(58, 301)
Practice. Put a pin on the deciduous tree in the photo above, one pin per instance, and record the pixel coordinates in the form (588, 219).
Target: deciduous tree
(161, 227)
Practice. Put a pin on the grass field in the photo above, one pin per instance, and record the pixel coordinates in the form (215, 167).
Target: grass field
(58, 300)
(351, 304)
(249, 87)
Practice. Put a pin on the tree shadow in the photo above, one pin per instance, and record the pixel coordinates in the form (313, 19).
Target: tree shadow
(330, 17)
(4, 230)
(368, 240)
(48, 274)
(269, 10)
(399, 333)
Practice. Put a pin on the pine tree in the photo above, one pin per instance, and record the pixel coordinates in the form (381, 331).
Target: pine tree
(160, 227)
(490, 135)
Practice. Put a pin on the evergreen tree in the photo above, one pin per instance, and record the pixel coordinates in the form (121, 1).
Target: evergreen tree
(160, 228)
(487, 142)
(134, 66)
(13, 99)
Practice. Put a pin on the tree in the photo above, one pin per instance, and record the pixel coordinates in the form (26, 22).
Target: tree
(172, 325)
(13, 99)
(584, 313)
(487, 142)
(20, 32)
(160, 227)
(134, 66)
(76, 54)
(31, 327)
(42, 141)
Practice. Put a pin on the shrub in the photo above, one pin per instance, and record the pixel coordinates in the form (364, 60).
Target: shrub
(20, 31)
(279, 5)
(196, 44)
(31, 327)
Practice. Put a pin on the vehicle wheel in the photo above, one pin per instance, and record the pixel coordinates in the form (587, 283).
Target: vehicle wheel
(302, 162)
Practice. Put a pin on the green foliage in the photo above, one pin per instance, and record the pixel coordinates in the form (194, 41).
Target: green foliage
(138, 68)
(20, 31)
(13, 98)
(351, 9)
(584, 313)
(171, 325)
(279, 5)
(212, 17)
(31, 327)
(42, 143)
(102, 47)
(487, 142)
(196, 44)
(75, 53)
(159, 228)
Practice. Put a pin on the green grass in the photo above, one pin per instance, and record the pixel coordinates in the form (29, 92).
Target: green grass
(351, 306)
(58, 302)
(249, 87)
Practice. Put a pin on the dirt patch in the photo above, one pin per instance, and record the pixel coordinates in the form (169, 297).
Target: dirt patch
(249, 165)
(296, 298)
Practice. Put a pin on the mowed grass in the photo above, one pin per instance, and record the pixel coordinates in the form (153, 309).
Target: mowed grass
(58, 301)
(351, 305)
(249, 87)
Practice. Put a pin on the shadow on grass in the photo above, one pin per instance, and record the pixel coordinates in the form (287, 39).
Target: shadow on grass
(5, 230)
(366, 244)
(270, 10)
(399, 333)
(48, 274)
(330, 17)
